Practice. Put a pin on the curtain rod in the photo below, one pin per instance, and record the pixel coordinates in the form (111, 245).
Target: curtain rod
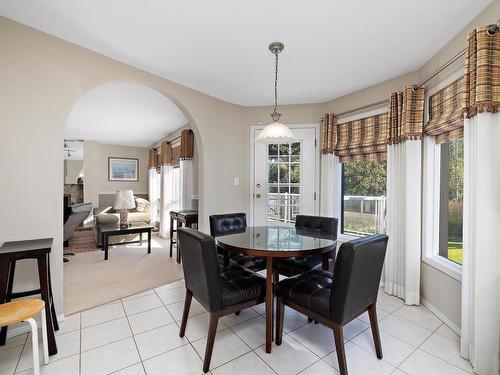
(386, 101)
(173, 140)
(168, 142)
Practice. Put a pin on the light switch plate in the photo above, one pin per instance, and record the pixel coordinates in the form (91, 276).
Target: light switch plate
(236, 181)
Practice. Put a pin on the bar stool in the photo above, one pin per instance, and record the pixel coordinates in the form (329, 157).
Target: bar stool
(39, 249)
(187, 217)
(23, 311)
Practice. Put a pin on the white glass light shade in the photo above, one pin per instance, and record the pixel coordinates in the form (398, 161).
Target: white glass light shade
(124, 200)
(276, 132)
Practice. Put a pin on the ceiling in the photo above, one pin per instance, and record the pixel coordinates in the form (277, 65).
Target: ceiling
(113, 113)
(332, 47)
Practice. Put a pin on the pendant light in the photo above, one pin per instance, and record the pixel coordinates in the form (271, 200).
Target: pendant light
(276, 132)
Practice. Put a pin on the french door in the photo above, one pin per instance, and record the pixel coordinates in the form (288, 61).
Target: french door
(285, 178)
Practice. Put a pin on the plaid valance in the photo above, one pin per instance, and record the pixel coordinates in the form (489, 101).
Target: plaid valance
(446, 121)
(153, 158)
(482, 73)
(364, 139)
(166, 153)
(406, 115)
(328, 133)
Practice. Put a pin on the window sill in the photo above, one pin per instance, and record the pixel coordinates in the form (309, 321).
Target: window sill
(444, 265)
(346, 237)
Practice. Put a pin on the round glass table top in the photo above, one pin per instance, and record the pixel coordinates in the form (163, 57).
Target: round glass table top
(276, 241)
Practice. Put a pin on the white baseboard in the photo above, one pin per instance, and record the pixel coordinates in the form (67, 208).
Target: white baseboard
(441, 316)
(23, 328)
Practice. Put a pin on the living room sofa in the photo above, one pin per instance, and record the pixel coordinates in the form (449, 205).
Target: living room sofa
(107, 215)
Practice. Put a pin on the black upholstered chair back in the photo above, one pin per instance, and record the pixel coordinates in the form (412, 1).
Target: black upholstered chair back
(227, 223)
(323, 226)
(356, 276)
(201, 267)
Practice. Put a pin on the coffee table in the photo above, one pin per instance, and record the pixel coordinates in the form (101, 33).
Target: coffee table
(108, 230)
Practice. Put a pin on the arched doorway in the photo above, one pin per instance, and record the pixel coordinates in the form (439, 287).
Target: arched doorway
(119, 121)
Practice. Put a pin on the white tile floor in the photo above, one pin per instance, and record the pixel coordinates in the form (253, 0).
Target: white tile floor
(140, 335)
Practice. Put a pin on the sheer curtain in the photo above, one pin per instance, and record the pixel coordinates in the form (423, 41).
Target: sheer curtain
(186, 183)
(170, 197)
(154, 194)
(330, 169)
(480, 329)
(481, 257)
(401, 275)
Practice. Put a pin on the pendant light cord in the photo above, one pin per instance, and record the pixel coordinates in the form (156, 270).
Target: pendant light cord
(276, 83)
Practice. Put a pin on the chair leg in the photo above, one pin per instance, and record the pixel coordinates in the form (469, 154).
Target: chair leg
(280, 320)
(34, 341)
(237, 313)
(338, 335)
(45, 341)
(372, 313)
(185, 313)
(212, 330)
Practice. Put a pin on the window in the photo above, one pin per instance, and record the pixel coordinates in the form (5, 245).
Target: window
(451, 200)
(283, 181)
(363, 197)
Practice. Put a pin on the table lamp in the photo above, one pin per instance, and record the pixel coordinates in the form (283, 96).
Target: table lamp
(124, 200)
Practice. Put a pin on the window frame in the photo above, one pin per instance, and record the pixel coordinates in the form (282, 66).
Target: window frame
(431, 196)
(341, 236)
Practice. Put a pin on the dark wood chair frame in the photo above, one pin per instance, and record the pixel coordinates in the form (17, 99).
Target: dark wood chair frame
(338, 330)
(214, 320)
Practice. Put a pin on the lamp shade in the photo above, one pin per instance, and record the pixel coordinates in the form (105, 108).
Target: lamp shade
(124, 200)
(276, 132)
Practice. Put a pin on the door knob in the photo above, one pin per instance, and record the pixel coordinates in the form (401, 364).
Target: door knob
(258, 186)
(258, 195)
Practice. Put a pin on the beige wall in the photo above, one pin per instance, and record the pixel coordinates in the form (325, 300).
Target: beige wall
(96, 170)
(72, 170)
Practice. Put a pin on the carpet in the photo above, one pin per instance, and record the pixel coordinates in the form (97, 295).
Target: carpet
(82, 241)
(90, 281)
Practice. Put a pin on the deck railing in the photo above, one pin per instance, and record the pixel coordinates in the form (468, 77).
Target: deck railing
(364, 214)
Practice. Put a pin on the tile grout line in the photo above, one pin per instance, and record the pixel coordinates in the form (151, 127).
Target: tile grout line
(175, 322)
(21, 353)
(80, 351)
(133, 338)
(435, 356)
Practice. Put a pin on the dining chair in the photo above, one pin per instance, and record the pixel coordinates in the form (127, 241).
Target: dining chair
(223, 224)
(337, 298)
(319, 226)
(220, 291)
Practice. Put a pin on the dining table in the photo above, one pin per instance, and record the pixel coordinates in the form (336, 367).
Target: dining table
(274, 243)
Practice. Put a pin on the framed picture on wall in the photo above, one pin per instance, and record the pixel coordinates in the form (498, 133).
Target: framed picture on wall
(123, 169)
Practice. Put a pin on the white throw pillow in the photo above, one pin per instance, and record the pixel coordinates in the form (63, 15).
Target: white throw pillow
(142, 204)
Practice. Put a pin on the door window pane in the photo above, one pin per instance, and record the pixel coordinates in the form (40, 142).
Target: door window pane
(295, 173)
(284, 172)
(272, 173)
(283, 182)
(364, 197)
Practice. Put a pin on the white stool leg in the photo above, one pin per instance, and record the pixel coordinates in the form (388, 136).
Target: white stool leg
(34, 339)
(44, 338)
